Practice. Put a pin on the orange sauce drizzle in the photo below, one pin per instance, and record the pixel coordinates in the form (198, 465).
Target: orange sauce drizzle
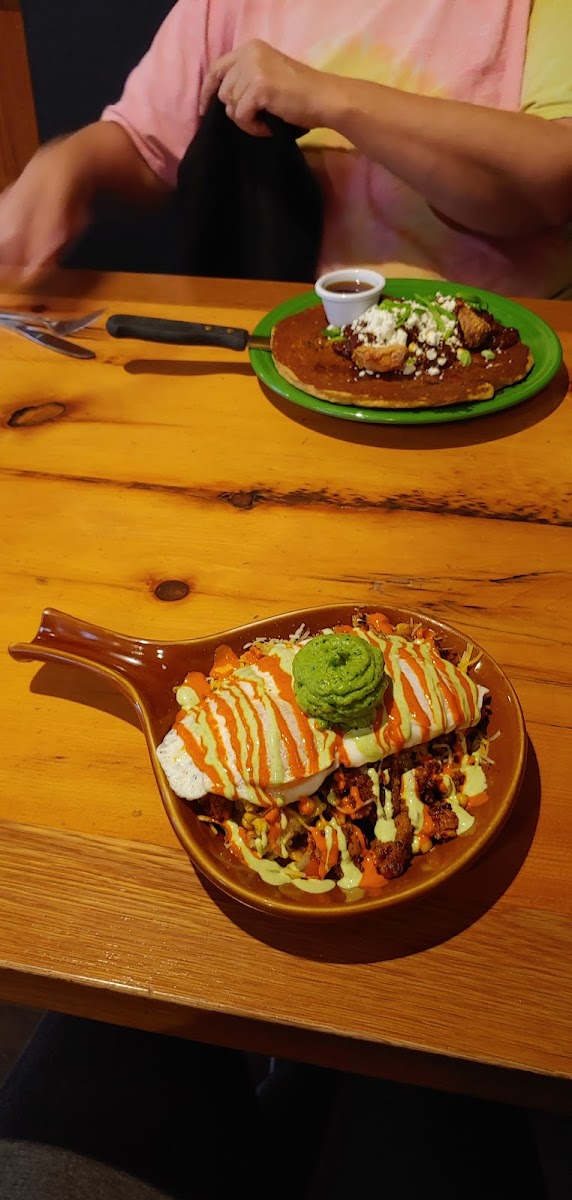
(199, 683)
(242, 700)
(252, 655)
(417, 711)
(428, 826)
(370, 877)
(476, 801)
(231, 845)
(465, 683)
(393, 726)
(225, 661)
(197, 753)
(327, 857)
(224, 709)
(340, 750)
(271, 666)
(446, 688)
(380, 623)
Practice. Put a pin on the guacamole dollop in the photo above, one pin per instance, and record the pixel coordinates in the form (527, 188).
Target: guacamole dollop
(339, 679)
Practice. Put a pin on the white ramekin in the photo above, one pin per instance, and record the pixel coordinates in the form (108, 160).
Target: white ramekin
(343, 307)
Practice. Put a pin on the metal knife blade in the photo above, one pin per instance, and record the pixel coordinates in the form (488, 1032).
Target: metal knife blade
(51, 342)
(184, 333)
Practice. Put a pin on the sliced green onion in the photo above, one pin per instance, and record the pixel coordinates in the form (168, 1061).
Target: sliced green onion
(488, 354)
(436, 311)
(442, 309)
(474, 302)
(464, 357)
(389, 304)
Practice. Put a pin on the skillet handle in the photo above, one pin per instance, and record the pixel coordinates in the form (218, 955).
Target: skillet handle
(176, 333)
(136, 665)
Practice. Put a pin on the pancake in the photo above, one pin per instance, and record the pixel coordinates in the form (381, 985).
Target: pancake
(306, 358)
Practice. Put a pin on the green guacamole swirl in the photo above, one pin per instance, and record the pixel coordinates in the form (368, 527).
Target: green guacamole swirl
(339, 679)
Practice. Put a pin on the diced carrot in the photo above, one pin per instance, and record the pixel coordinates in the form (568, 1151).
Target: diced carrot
(273, 834)
(252, 655)
(307, 806)
(312, 869)
(379, 622)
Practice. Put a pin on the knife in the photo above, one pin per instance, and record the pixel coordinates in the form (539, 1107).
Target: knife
(50, 341)
(184, 333)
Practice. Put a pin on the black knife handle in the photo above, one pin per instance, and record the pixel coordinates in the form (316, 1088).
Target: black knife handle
(176, 333)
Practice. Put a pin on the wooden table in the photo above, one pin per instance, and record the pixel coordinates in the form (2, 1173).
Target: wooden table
(156, 463)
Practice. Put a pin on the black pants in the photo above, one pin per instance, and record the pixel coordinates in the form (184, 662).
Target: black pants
(96, 1112)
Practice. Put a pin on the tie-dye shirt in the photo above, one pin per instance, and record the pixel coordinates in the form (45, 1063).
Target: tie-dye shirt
(505, 54)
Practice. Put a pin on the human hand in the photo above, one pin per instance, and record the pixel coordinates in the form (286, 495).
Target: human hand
(43, 211)
(255, 77)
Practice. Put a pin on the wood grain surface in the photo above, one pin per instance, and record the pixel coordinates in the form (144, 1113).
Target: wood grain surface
(156, 463)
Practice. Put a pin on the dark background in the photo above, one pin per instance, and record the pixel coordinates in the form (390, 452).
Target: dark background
(80, 55)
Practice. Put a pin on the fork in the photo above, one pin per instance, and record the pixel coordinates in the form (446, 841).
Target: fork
(36, 321)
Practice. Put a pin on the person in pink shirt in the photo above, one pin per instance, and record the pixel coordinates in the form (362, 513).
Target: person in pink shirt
(441, 133)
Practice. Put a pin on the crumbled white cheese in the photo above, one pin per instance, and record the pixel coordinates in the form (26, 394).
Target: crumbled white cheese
(433, 371)
(447, 302)
(380, 326)
(379, 322)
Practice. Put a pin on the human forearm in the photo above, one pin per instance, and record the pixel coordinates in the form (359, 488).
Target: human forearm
(497, 173)
(104, 160)
(50, 205)
(501, 174)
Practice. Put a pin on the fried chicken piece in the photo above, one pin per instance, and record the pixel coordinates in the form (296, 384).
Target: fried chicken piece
(393, 858)
(390, 859)
(395, 786)
(445, 823)
(430, 784)
(474, 327)
(353, 841)
(404, 828)
(379, 358)
(346, 778)
(353, 790)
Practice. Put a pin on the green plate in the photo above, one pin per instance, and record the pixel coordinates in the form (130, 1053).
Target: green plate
(534, 332)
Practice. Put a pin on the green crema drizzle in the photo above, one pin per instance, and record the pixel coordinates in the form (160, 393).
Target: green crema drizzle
(339, 679)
